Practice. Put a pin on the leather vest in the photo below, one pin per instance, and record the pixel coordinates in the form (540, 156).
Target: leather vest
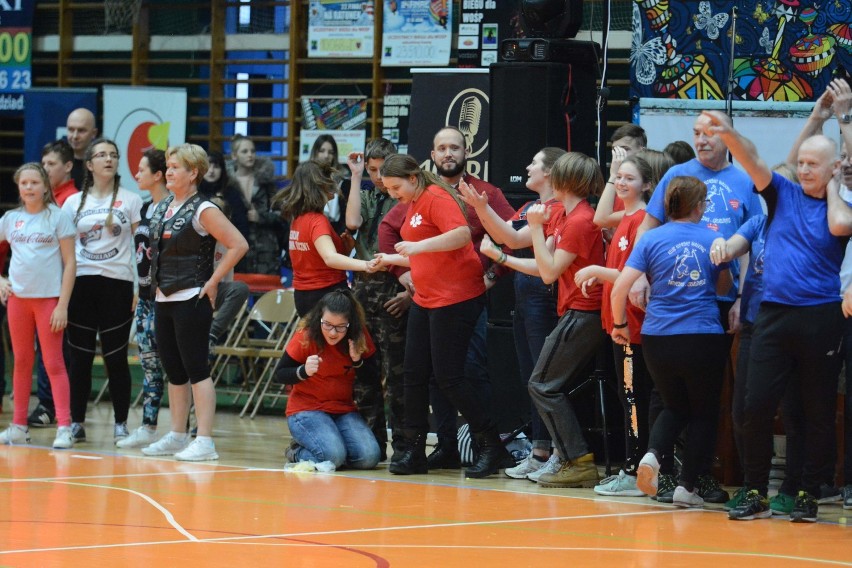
(181, 258)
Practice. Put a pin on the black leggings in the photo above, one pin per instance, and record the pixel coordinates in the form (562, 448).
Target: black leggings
(182, 331)
(99, 306)
(687, 371)
(307, 299)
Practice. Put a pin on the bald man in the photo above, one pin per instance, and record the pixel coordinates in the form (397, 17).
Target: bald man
(799, 324)
(80, 130)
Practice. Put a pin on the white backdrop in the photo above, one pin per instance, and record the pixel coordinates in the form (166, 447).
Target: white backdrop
(139, 118)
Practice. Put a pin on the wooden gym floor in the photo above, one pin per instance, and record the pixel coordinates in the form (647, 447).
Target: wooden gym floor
(96, 505)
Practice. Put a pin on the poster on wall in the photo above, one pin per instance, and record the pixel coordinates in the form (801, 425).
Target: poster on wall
(482, 26)
(16, 37)
(345, 118)
(784, 51)
(340, 28)
(46, 112)
(395, 113)
(417, 32)
(141, 118)
(450, 97)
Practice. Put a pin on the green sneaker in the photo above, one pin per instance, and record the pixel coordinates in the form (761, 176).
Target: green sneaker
(737, 500)
(782, 504)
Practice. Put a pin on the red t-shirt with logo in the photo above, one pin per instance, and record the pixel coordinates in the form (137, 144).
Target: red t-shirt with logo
(441, 278)
(330, 388)
(309, 270)
(619, 249)
(579, 235)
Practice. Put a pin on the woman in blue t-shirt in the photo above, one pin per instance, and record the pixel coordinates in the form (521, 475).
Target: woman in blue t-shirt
(683, 340)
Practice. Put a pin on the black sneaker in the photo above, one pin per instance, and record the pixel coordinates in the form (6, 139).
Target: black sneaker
(806, 508)
(444, 458)
(847, 497)
(78, 432)
(41, 417)
(710, 490)
(829, 494)
(754, 506)
(666, 485)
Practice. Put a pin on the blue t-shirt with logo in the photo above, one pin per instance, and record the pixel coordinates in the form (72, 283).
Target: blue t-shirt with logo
(676, 259)
(803, 258)
(754, 231)
(731, 202)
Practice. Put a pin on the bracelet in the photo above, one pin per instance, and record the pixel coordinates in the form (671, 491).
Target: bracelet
(611, 182)
(358, 365)
(619, 325)
(502, 258)
(299, 374)
(739, 295)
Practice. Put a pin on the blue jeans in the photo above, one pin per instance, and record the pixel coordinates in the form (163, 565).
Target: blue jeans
(476, 371)
(534, 318)
(343, 439)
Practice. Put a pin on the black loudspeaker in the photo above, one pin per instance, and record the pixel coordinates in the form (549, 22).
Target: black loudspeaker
(534, 105)
(510, 401)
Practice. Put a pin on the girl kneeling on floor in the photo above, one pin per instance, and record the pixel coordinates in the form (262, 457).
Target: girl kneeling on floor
(330, 348)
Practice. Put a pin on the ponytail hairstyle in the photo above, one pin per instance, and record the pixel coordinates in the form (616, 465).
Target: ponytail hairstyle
(341, 302)
(45, 179)
(549, 156)
(404, 166)
(308, 192)
(156, 161)
(89, 180)
(577, 174)
(645, 171)
(683, 195)
(660, 163)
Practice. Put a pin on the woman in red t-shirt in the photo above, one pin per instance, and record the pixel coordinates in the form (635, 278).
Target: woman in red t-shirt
(632, 184)
(330, 348)
(316, 251)
(449, 295)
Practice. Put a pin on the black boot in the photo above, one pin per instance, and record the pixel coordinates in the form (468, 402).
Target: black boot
(413, 460)
(445, 456)
(492, 455)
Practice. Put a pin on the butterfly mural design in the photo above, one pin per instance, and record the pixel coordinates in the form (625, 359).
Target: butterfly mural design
(645, 56)
(711, 23)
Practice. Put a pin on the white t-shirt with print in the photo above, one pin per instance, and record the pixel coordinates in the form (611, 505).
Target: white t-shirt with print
(36, 267)
(101, 250)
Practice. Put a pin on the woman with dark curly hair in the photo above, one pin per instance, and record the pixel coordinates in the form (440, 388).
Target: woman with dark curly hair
(323, 358)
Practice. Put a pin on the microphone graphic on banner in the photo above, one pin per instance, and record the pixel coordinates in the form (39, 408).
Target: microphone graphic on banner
(469, 118)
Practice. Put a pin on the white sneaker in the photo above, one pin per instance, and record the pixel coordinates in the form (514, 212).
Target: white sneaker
(523, 469)
(647, 474)
(168, 445)
(621, 485)
(15, 434)
(139, 438)
(64, 438)
(552, 465)
(683, 498)
(198, 450)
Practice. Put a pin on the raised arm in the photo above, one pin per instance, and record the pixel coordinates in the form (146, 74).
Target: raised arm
(819, 115)
(499, 230)
(839, 213)
(741, 148)
(605, 217)
(354, 220)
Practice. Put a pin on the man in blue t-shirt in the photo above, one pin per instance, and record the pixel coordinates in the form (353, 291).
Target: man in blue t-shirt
(799, 323)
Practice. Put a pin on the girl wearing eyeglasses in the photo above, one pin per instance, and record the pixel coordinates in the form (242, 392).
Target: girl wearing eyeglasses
(331, 348)
(105, 215)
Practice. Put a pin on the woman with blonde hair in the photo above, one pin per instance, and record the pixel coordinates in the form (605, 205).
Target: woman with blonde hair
(101, 306)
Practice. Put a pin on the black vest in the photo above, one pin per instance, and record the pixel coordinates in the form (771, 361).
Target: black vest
(181, 258)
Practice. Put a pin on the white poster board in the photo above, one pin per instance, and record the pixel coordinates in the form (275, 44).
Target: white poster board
(347, 141)
(140, 118)
(773, 127)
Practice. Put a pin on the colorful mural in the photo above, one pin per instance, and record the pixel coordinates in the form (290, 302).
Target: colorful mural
(784, 50)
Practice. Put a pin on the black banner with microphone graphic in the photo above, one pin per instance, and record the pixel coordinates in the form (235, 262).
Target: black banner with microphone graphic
(451, 97)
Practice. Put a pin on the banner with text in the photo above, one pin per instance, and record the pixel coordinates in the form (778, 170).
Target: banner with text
(141, 118)
(417, 32)
(460, 98)
(340, 29)
(16, 37)
(343, 118)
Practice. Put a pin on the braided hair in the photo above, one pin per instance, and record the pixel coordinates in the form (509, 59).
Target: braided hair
(89, 180)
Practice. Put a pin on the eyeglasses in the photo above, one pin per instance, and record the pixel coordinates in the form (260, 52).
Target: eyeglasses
(104, 155)
(341, 328)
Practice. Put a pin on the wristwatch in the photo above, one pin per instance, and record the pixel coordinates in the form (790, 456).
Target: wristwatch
(846, 118)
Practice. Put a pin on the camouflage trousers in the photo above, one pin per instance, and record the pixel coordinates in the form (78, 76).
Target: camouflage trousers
(153, 381)
(388, 333)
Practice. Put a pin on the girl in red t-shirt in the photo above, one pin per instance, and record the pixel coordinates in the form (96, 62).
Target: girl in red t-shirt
(449, 295)
(632, 184)
(316, 250)
(330, 348)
